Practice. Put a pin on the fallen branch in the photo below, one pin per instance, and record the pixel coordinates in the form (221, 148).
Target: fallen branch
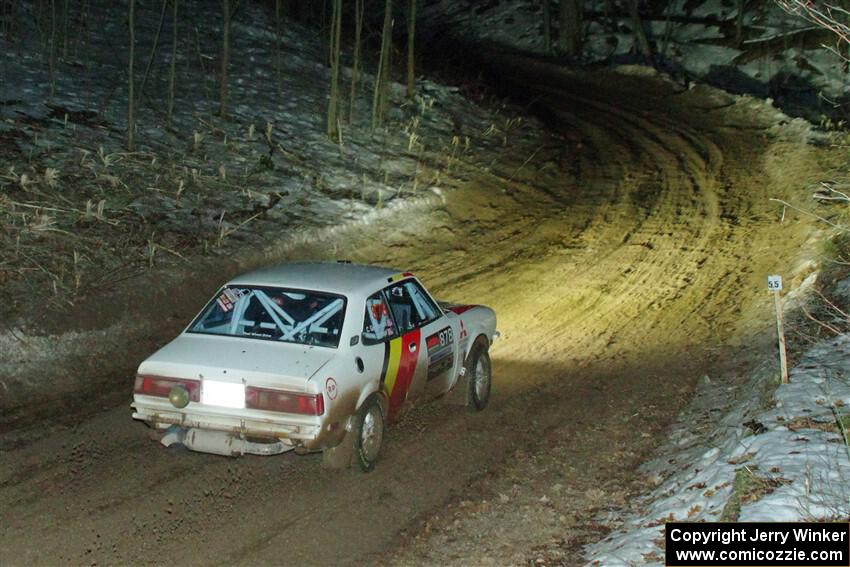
(811, 214)
(830, 194)
(826, 326)
(833, 306)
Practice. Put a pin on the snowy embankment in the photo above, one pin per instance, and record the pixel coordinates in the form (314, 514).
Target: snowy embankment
(750, 452)
(779, 56)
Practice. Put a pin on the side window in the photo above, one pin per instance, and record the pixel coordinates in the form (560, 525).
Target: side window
(377, 323)
(410, 305)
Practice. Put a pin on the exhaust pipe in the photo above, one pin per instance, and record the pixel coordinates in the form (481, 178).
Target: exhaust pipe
(219, 442)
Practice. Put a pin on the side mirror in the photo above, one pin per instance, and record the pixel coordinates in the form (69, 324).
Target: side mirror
(369, 341)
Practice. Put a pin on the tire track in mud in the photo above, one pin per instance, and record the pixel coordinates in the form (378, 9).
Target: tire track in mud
(612, 277)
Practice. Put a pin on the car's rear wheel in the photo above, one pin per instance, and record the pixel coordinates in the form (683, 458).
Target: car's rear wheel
(480, 375)
(370, 434)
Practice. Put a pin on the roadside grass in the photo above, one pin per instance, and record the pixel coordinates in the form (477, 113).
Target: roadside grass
(79, 216)
(748, 487)
(74, 219)
(827, 313)
(842, 423)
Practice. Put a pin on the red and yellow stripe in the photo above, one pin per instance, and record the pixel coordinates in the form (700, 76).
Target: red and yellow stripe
(399, 369)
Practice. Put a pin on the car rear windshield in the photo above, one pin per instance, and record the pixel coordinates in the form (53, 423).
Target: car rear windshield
(274, 314)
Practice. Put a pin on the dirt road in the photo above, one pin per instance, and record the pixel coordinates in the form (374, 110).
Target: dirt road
(619, 260)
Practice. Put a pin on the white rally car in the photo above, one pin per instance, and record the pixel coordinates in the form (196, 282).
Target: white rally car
(313, 356)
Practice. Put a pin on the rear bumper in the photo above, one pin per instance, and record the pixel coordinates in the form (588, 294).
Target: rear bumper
(298, 431)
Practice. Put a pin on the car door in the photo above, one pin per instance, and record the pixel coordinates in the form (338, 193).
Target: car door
(397, 350)
(425, 332)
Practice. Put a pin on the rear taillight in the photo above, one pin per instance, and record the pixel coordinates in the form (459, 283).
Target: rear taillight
(161, 386)
(284, 402)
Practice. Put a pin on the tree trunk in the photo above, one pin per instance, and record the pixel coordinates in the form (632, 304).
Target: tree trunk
(379, 100)
(278, 58)
(324, 28)
(153, 52)
(225, 55)
(7, 18)
(305, 13)
(84, 37)
(610, 16)
(411, 32)
(579, 25)
(355, 68)
(172, 71)
(65, 15)
(547, 26)
(131, 107)
(52, 61)
(640, 36)
(335, 38)
(739, 24)
(570, 27)
(39, 23)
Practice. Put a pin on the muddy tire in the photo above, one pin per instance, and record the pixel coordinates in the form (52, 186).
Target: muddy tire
(341, 456)
(369, 434)
(479, 375)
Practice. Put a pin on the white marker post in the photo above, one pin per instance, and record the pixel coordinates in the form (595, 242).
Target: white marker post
(774, 284)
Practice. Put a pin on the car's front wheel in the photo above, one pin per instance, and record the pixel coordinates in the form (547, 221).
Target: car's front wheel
(370, 434)
(480, 375)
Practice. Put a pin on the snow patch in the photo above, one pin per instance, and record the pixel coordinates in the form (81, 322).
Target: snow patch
(789, 437)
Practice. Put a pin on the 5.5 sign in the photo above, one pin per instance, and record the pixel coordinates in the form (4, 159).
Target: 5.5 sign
(774, 283)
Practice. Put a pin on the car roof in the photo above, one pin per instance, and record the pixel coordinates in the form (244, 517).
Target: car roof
(332, 277)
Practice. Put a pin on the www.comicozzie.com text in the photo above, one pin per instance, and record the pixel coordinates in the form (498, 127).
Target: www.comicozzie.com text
(744, 534)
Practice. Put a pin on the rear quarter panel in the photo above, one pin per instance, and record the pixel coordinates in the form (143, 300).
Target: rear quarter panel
(473, 321)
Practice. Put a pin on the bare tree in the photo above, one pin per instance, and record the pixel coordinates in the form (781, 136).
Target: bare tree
(153, 52)
(609, 11)
(278, 58)
(305, 10)
(411, 32)
(324, 27)
(739, 23)
(640, 35)
(333, 102)
(84, 34)
(570, 27)
(131, 106)
(6, 18)
(173, 68)
(52, 54)
(355, 67)
(65, 18)
(827, 15)
(225, 56)
(380, 98)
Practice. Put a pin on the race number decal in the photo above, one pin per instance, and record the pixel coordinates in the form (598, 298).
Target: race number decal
(228, 298)
(331, 388)
(440, 352)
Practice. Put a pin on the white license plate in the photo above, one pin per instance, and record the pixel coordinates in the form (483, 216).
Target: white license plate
(223, 394)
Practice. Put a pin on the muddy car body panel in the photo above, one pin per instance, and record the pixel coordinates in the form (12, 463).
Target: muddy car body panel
(284, 358)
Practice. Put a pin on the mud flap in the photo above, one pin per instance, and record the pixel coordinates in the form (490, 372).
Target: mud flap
(340, 456)
(459, 394)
